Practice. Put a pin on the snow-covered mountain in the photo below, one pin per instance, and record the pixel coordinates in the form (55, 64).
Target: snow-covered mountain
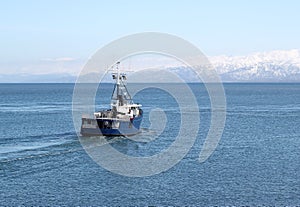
(274, 66)
(261, 66)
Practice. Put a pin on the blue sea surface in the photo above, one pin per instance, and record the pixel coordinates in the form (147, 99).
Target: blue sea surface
(256, 163)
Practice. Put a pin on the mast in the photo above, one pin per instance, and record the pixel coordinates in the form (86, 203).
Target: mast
(118, 80)
(120, 95)
(121, 101)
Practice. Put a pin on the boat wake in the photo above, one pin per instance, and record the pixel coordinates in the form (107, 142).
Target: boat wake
(32, 146)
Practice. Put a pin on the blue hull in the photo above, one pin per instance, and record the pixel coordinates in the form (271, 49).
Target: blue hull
(106, 127)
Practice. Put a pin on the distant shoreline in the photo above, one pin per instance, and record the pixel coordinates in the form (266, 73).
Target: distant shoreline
(72, 83)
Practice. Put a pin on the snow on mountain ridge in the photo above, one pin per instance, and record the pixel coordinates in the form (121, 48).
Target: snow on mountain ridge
(275, 57)
(261, 66)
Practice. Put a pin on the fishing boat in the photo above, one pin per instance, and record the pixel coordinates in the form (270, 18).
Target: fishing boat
(122, 119)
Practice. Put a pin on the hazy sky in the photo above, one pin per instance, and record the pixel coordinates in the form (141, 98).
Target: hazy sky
(41, 34)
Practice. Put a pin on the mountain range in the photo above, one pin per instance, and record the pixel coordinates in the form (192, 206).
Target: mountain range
(274, 66)
(262, 66)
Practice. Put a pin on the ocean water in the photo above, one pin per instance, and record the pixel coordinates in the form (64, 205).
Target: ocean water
(256, 162)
